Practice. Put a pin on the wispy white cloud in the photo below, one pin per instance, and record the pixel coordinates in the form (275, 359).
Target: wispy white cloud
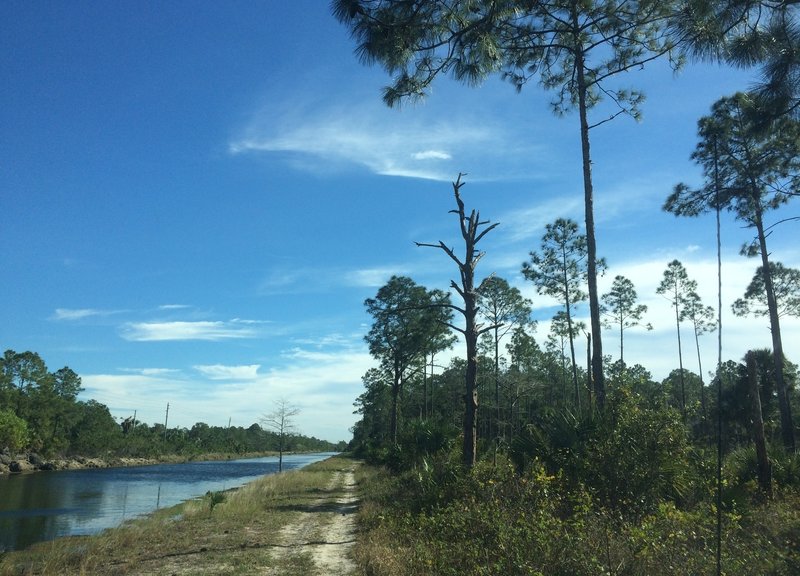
(389, 153)
(222, 372)
(310, 280)
(153, 371)
(340, 342)
(68, 314)
(525, 223)
(432, 155)
(630, 192)
(612, 203)
(412, 143)
(374, 277)
(174, 307)
(302, 279)
(124, 393)
(201, 330)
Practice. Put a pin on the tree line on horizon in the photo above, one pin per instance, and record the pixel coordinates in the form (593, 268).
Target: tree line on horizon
(40, 412)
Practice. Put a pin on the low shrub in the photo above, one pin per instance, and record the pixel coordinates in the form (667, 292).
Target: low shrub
(13, 431)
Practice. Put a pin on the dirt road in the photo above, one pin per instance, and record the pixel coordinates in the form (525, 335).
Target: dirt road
(324, 531)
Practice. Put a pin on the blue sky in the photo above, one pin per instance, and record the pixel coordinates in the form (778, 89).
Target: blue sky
(197, 197)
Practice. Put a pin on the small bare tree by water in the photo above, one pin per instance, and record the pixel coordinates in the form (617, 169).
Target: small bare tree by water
(280, 421)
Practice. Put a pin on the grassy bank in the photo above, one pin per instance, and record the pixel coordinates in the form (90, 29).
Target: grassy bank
(235, 533)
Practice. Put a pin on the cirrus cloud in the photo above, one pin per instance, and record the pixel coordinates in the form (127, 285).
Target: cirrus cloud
(418, 144)
(68, 314)
(180, 330)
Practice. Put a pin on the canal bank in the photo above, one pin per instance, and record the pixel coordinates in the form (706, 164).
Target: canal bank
(277, 524)
(33, 462)
(49, 505)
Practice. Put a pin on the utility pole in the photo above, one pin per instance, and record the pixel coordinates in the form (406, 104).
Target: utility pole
(134, 421)
(166, 419)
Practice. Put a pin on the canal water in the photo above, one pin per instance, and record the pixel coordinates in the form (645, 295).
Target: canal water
(47, 505)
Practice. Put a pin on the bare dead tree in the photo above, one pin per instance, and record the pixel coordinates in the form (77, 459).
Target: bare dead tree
(473, 229)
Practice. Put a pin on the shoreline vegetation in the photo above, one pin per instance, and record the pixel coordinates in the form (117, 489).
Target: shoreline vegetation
(250, 529)
(32, 462)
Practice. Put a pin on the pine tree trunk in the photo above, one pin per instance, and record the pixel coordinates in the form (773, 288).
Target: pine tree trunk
(589, 372)
(498, 412)
(680, 354)
(787, 427)
(424, 386)
(395, 399)
(572, 357)
(702, 383)
(591, 245)
(764, 467)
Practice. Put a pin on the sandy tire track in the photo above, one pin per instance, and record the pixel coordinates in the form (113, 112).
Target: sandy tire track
(326, 531)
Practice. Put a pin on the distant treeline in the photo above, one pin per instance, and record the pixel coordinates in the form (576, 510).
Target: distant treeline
(40, 412)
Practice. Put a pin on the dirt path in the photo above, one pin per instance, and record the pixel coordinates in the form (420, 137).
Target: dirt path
(324, 532)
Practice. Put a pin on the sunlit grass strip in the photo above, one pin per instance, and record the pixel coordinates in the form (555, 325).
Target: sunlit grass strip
(235, 536)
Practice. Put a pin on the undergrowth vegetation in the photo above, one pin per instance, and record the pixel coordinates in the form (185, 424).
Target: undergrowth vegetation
(621, 494)
(494, 521)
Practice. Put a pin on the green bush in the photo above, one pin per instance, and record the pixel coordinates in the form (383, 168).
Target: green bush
(419, 440)
(639, 456)
(95, 431)
(13, 431)
(631, 457)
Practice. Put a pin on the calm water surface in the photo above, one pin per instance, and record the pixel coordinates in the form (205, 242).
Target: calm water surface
(48, 505)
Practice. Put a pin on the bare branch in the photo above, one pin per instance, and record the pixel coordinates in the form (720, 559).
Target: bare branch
(486, 231)
(442, 246)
